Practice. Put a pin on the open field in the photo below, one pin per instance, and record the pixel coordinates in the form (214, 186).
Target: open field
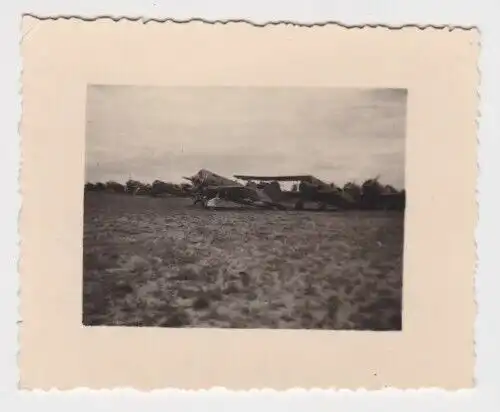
(162, 262)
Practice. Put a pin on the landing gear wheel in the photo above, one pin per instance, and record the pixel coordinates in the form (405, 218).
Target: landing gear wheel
(199, 199)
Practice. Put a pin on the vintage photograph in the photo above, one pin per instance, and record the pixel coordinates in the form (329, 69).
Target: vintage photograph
(247, 207)
(244, 207)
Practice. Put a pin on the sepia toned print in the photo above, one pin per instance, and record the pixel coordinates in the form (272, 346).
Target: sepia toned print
(246, 207)
(310, 237)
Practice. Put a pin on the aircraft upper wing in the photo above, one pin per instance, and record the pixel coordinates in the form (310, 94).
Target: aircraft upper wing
(277, 178)
(226, 187)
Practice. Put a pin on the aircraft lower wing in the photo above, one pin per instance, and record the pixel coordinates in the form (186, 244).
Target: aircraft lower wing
(226, 187)
(240, 194)
(233, 193)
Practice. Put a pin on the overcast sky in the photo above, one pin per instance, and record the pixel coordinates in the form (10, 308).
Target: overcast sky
(165, 133)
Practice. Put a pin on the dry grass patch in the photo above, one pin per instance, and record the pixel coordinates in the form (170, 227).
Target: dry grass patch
(160, 262)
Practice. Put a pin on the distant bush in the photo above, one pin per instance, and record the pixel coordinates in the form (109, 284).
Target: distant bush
(135, 187)
(159, 188)
(115, 187)
(90, 187)
(131, 186)
(353, 190)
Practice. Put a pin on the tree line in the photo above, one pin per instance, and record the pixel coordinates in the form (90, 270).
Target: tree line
(371, 194)
(137, 187)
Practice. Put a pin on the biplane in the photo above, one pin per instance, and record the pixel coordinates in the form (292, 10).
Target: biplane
(310, 189)
(209, 188)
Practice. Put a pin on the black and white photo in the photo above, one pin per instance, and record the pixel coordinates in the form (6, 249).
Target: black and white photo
(244, 207)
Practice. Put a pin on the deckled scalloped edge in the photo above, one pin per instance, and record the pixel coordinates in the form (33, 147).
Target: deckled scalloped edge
(256, 390)
(145, 20)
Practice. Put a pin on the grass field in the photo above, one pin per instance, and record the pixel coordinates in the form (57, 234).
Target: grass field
(162, 262)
